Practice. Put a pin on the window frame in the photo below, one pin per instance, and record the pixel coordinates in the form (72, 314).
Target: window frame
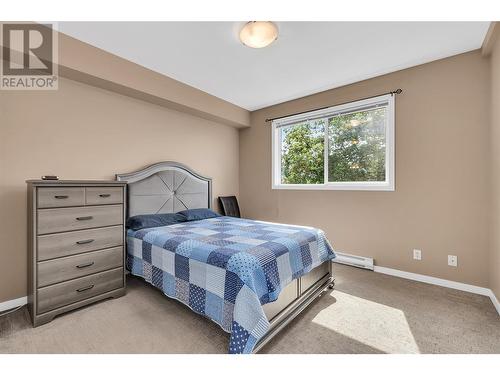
(387, 185)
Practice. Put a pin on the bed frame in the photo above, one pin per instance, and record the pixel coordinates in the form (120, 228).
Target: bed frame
(169, 186)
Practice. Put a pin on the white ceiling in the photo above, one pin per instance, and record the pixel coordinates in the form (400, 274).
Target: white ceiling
(308, 57)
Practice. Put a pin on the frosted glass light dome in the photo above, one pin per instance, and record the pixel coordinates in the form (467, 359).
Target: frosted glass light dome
(258, 34)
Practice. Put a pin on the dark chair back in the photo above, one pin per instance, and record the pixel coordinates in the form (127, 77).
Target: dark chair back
(230, 206)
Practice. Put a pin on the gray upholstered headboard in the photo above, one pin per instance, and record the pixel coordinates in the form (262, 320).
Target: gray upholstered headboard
(166, 187)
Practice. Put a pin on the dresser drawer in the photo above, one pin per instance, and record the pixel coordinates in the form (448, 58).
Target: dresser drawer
(71, 243)
(63, 269)
(55, 220)
(60, 196)
(103, 195)
(52, 297)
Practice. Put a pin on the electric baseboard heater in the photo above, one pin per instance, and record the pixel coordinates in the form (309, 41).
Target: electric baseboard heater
(354, 260)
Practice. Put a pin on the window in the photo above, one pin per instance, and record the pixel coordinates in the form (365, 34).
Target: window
(346, 147)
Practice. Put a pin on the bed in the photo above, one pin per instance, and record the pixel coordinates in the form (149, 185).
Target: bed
(250, 277)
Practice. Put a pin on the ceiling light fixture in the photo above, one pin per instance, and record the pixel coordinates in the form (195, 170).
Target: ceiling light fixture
(258, 34)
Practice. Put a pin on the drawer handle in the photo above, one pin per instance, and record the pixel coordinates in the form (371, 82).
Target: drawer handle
(84, 218)
(61, 196)
(85, 265)
(83, 242)
(105, 195)
(84, 289)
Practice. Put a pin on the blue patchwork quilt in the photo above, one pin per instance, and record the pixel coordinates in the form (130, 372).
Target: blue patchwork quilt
(226, 268)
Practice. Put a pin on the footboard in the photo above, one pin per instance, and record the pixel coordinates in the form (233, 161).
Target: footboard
(295, 298)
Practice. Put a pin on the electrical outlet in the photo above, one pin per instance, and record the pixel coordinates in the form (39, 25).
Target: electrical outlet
(417, 254)
(452, 260)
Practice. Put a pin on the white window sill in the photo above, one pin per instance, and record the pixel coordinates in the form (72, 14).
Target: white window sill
(374, 186)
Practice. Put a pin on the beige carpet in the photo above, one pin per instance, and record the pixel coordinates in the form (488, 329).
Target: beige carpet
(367, 313)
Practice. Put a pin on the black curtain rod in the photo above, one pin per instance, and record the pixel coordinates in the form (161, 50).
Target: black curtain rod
(395, 92)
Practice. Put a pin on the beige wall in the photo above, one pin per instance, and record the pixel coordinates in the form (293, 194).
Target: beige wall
(441, 202)
(494, 270)
(82, 132)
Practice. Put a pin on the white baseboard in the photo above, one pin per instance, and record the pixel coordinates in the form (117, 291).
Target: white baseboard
(13, 303)
(434, 280)
(441, 282)
(495, 302)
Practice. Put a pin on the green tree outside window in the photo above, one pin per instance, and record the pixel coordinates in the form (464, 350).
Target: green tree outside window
(356, 149)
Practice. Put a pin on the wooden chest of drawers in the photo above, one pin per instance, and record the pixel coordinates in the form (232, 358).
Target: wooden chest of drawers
(76, 241)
